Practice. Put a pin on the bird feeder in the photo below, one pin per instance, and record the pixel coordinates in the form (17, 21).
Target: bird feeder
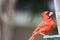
(57, 12)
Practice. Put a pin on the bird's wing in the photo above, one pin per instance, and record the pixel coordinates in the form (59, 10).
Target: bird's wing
(35, 33)
(42, 24)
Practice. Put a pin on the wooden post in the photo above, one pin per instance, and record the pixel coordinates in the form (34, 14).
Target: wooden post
(7, 20)
(57, 12)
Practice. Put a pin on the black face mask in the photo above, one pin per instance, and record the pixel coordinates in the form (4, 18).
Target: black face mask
(49, 16)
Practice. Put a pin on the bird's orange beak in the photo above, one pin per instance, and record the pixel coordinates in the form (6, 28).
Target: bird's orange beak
(51, 13)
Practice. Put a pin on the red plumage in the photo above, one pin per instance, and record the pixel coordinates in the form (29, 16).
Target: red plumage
(45, 26)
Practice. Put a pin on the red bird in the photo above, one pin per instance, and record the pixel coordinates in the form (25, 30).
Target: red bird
(45, 26)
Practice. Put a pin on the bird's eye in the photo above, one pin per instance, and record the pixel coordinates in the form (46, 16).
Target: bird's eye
(48, 14)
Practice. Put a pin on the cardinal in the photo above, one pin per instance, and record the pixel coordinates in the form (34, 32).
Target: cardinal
(45, 26)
